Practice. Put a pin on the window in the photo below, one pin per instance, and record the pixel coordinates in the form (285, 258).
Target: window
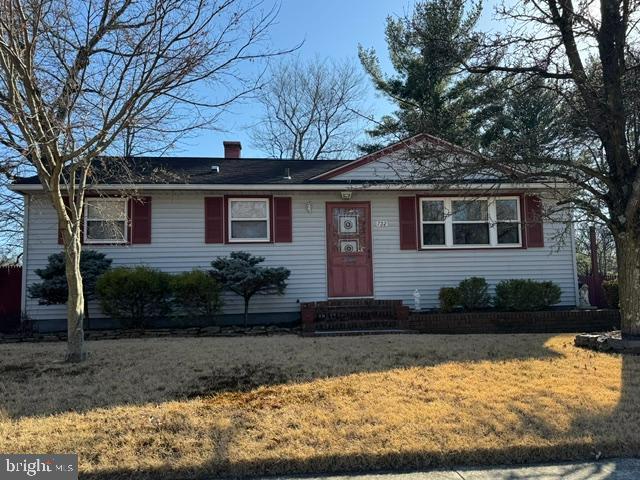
(105, 220)
(249, 220)
(470, 222)
(433, 222)
(463, 223)
(508, 221)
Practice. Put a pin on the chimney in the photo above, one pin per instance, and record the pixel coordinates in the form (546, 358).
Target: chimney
(232, 149)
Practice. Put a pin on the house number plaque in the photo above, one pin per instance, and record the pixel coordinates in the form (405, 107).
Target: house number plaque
(382, 223)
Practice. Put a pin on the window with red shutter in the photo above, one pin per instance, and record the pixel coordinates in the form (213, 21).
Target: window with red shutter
(534, 227)
(140, 220)
(214, 220)
(282, 219)
(408, 223)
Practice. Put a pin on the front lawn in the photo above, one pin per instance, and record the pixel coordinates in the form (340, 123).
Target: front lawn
(197, 407)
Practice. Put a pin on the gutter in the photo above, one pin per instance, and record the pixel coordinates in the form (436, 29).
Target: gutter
(22, 188)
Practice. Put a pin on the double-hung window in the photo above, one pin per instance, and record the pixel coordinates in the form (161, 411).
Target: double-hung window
(508, 221)
(105, 220)
(249, 220)
(470, 222)
(433, 223)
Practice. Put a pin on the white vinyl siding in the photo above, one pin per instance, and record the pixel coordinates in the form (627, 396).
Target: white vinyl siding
(178, 245)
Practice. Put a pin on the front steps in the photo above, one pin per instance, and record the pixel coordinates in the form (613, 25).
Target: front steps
(353, 316)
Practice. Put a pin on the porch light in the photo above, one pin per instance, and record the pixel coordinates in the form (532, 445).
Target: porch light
(308, 207)
(345, 195)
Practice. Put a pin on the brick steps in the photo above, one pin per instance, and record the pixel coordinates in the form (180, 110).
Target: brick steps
(353, 315)
(346, 333)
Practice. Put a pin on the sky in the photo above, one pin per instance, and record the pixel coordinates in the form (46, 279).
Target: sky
(328, 29)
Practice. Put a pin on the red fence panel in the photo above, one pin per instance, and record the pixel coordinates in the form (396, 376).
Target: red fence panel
(10, 297)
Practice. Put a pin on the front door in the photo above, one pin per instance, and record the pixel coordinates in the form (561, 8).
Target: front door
(349, 269)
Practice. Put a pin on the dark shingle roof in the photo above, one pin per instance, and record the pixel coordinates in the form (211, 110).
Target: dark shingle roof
(199, 171)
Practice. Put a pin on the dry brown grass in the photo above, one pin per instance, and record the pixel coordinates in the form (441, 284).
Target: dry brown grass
(184, 408)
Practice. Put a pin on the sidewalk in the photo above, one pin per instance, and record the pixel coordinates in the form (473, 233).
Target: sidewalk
(619, 469)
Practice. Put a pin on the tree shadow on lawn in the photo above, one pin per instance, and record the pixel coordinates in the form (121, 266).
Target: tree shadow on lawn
(585, 437)
(573, 449)
(396, 462)
(589, 437)
(137, 372)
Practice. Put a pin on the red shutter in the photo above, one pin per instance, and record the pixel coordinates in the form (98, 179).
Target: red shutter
(408, 223)
(213, 220)
(534, 229)
(282, 220)
(140, 220)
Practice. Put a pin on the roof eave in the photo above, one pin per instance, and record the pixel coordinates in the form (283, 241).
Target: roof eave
(26, 188)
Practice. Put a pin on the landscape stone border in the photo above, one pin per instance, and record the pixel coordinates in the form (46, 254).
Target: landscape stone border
(607, 342)
(211, 331)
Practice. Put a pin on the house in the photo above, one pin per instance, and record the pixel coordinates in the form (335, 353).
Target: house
(345, 229)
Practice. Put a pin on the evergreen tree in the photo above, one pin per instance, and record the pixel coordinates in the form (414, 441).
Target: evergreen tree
(428, 50)
(528, 123)
(241, 273)
(53, 289)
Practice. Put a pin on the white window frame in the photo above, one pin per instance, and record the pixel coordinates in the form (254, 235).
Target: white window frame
(267, 219)
(433, 222)
(518, 221)
(491, 220)
(109, 241)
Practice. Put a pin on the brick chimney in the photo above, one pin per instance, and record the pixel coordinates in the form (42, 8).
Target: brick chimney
(232, 149)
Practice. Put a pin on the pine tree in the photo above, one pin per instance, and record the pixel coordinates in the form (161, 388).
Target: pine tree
(53, 289)
(241, 273)
(428, 50)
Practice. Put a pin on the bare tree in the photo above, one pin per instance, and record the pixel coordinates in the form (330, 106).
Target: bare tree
(585, 53)
(11, 211)
(75, 74)
(311, 110)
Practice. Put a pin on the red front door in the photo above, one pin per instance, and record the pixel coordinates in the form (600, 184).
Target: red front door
(349, 267)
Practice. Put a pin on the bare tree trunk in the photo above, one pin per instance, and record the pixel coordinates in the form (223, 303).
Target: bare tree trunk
(75, 303)
(628, 250)
(246, 312)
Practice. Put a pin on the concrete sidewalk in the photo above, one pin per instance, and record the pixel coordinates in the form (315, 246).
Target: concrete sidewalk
(619, 469)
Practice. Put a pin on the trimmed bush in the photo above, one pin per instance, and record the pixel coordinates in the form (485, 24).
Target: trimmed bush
(196, 294)
(134, 296)
(526, 295)
(242, 273)
(474, 293)
(449, 299)
(611, 293)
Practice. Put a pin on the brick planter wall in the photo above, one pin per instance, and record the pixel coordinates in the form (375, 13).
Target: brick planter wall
(553, 321)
